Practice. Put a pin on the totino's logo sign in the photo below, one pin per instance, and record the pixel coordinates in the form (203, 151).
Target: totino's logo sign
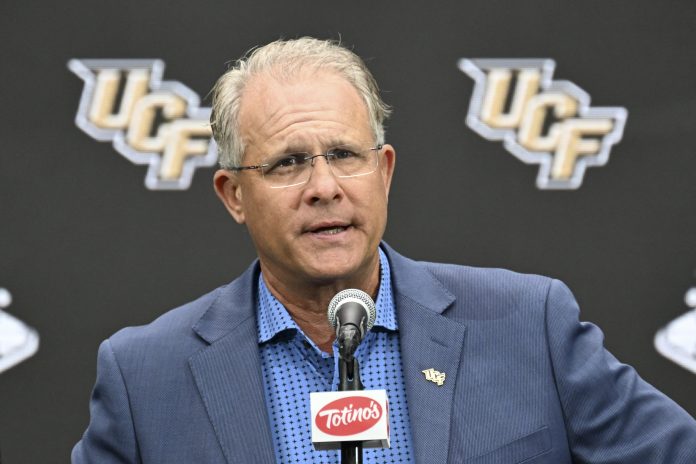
(540, 120)
(148, 120)
(348, 416)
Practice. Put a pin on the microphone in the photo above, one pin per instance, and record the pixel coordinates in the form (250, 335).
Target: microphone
(350, 418)
(352, 313)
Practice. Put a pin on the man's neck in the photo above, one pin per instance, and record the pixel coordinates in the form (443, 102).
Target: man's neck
(307, 304)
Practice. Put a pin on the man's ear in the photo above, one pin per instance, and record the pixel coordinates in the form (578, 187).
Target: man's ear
(387, 168)
(229, 191)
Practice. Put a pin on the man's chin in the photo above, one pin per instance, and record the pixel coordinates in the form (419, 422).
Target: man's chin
(336, 266)
(326, 273)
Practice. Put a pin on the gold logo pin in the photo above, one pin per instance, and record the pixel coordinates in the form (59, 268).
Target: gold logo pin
(434, 376)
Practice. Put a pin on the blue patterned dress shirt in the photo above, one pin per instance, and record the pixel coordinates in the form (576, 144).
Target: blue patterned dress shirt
(293, 366)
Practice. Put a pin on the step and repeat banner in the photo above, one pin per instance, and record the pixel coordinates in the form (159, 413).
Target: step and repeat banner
(546, 137)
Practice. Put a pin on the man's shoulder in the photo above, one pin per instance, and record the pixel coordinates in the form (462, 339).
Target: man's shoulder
(171, 330)
(461, 272)
(192, 325)
(485, 277)
(459, 276)
(477, 292)
(485, 283)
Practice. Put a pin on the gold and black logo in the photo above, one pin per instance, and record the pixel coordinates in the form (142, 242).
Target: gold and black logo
(540, 120)
(148, 120)
(435, 376)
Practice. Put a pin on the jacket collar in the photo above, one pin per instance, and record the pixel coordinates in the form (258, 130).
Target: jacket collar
(412, 280)
(234, 305)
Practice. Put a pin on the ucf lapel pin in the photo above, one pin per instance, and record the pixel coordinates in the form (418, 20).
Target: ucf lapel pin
(434, 376)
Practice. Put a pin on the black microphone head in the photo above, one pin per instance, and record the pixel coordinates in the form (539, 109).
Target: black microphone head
(352, 295)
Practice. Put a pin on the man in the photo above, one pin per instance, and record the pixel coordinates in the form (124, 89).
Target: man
(227, 377)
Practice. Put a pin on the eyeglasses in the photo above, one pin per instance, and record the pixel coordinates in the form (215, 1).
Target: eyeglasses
(291, 169)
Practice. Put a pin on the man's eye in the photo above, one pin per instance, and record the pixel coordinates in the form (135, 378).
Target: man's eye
(343, 153)
(289, 161)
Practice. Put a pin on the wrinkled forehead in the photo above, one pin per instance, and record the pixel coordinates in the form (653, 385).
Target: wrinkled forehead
(291, 111)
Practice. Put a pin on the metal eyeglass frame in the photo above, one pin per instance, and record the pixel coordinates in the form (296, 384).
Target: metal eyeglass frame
(311, 159)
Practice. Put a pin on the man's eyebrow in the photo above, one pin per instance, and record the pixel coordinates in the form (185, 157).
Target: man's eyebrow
(338, 143)
(303, 148)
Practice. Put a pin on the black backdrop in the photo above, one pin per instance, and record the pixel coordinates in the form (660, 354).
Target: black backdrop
(86, 249)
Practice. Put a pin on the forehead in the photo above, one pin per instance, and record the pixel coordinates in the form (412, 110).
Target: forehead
(311, 108)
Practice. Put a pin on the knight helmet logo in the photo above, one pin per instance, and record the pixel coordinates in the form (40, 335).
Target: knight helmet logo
(540, 120)
(148, 120)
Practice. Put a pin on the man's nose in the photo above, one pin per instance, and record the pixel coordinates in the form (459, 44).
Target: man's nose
(322, 184)
(320, 166)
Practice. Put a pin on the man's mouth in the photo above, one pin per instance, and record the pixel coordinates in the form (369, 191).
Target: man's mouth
(330, 230)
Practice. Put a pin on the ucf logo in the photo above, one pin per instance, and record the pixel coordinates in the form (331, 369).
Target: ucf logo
(540, 120)
(148, 121)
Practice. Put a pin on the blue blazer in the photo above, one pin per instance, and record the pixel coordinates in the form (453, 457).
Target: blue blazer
(526, 382)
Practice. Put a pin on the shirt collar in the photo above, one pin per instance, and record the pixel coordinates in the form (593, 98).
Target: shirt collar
(273, 318)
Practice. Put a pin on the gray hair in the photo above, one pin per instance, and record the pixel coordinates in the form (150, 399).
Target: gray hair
(287, 57)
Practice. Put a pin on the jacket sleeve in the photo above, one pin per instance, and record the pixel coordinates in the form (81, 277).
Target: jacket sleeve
(611, 414)
(110, 435)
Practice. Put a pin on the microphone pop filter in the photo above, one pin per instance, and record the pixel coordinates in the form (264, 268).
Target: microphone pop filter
(355, 296)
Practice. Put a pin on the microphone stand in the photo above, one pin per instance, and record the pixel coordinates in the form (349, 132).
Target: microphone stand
(349, 380)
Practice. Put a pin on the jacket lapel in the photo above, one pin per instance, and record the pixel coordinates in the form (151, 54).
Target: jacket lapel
(228, 373)
(428, 341)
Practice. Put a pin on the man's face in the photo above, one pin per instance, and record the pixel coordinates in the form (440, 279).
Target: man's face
(327, 230)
